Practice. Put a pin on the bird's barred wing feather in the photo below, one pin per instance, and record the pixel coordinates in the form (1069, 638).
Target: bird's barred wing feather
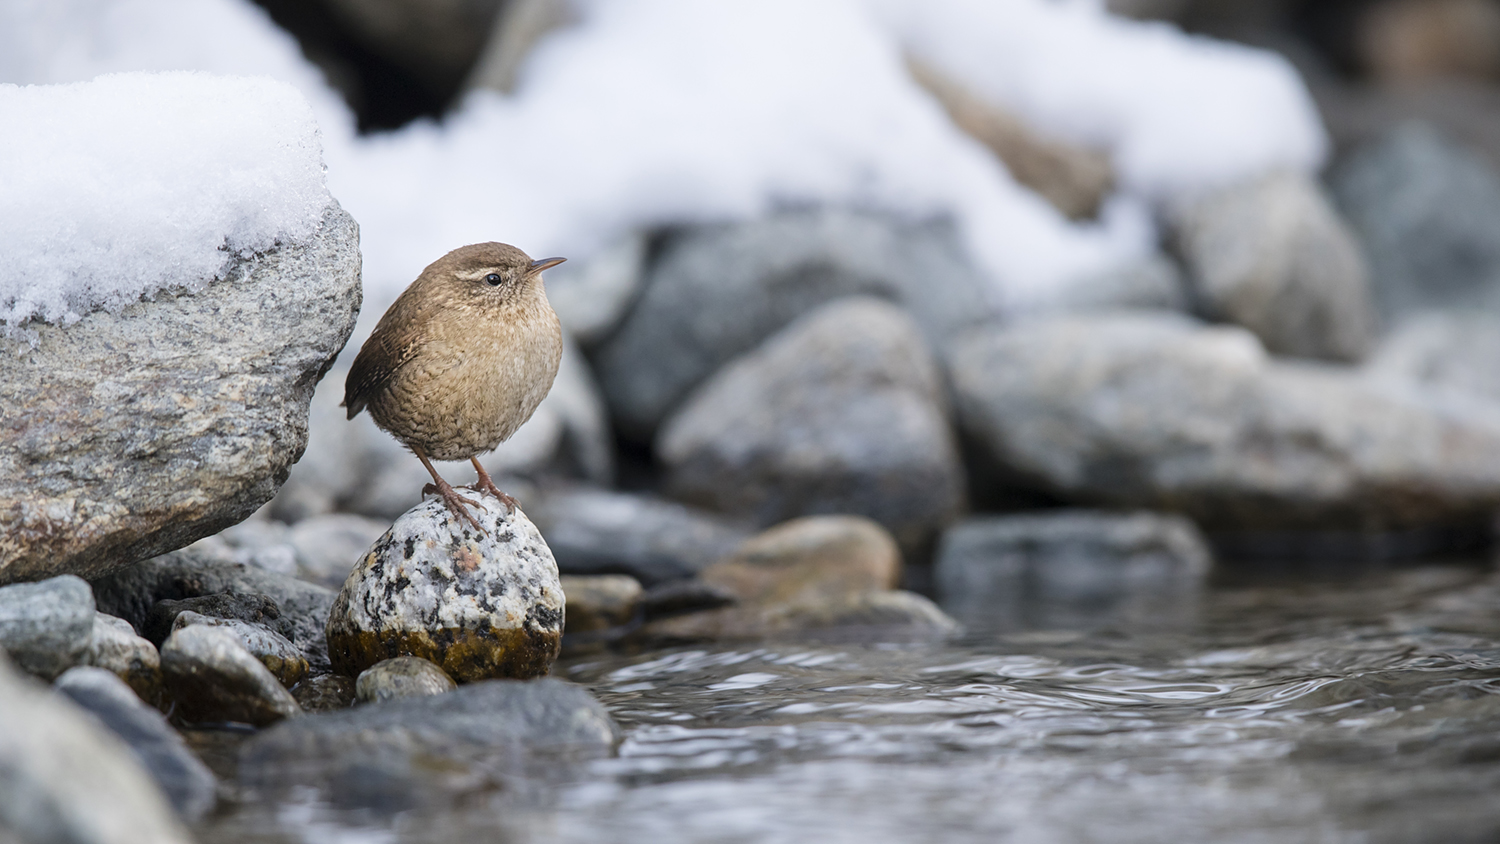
(377, 361)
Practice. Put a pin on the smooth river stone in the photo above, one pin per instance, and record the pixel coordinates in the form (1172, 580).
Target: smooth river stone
(480, 605)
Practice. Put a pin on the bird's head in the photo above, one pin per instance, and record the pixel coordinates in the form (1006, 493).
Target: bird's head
(489, 273)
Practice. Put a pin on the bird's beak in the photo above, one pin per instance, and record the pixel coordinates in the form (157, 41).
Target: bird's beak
(545, 263)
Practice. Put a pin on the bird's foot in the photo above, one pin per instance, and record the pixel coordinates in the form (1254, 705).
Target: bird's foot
(488, 486)
(455, 502)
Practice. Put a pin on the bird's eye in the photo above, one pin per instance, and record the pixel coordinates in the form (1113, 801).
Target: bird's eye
(492, 279)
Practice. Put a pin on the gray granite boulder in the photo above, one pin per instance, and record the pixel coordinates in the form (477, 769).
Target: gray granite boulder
(716, 291)
(46, 627)
(401, 676)
(842, 411)
(1157, 412)
(198, 571)
(1069, 567)
(478, 604)
(418, 750)
(1428, 212)
(213, 679)
(1273, 255)
(596, 531)
(68, 778)
(133, 433)
(182, 776)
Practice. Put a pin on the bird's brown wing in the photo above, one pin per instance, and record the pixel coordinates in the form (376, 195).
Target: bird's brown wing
(378, 359)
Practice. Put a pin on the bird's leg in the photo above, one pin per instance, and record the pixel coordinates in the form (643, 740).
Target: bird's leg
(450, 497)
(484, 484)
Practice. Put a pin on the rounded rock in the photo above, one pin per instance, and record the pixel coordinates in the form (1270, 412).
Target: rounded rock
(213, 678)
(402, 676)
(479, 605)
(275, 651)
(115, 648)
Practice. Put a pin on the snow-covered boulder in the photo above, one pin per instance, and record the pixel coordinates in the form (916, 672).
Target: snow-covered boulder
(171, 291)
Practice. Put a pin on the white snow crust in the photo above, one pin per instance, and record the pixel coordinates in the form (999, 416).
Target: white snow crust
(134, 183)
(667, 111)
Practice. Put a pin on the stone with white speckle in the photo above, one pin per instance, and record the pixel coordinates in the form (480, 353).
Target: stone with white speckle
(478, 605)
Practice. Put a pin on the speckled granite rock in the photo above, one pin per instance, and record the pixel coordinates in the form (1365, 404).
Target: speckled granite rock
(68, 779)
(275, 651)
(115, 648)
(213, 678)
(183, 777)
(478, 605)
(133, 433)
(46, 627)
(401, 676)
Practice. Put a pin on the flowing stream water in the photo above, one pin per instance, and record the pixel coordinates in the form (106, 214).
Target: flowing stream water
(1359, 708)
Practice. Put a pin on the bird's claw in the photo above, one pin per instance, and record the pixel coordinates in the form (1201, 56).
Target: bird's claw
(455, 503)
(485, 485)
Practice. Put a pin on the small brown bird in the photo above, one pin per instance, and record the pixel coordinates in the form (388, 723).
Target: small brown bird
(460, 360)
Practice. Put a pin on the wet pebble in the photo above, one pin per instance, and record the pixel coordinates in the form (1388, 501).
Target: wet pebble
(600, 602)
(183, 777)
(402, 676)
(46, 627)
(325, 693)
(212, 678)
(479, 605)
(275, 651)
(115, 647)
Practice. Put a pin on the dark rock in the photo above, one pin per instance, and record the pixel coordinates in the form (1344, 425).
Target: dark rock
(115, 648)
(325, 693)
(144, 430)
(213, 679)
(68, 779)
(277, 653)
(182, 776)
(422, 747)
(841, 412)
(1140, 411)
(1273, 256)
(683, 596)
(46, 627)
(402, 676)
(1069, 568)
(254, 608)
(435, 42)
(593, 531)
(717, 291)
(193, 573)
(1429, 215)
(480, 605)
